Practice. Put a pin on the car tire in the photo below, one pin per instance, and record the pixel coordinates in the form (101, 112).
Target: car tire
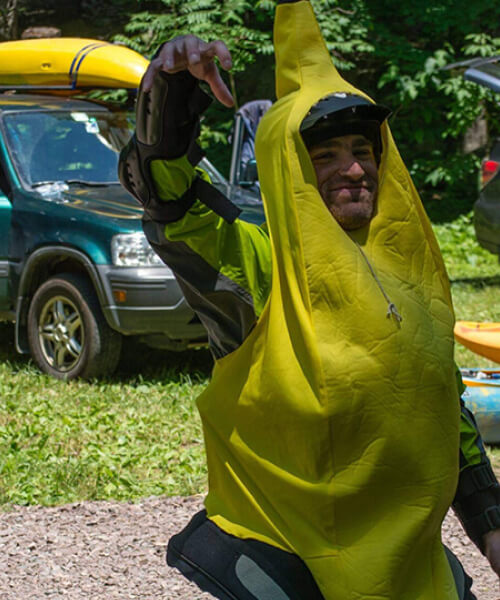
(67, 333)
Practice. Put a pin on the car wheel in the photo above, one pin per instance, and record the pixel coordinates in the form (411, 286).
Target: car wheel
(67, 332)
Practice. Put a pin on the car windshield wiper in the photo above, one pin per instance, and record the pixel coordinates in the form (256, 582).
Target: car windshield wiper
(90, 183)
(47, 182)
(74, 182)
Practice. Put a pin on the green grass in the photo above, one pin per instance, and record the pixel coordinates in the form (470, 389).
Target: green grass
(132, 436)
(475, 280)
(138, 434)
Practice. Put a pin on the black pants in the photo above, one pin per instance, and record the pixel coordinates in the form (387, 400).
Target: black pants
(233, 569)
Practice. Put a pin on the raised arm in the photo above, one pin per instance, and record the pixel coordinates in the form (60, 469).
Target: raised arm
(222, 264)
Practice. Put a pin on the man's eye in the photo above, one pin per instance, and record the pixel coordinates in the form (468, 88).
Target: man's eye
(363, 152)
(323, 156)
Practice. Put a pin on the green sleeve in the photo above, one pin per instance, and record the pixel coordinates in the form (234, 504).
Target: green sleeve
(224, 269)
(472, 451)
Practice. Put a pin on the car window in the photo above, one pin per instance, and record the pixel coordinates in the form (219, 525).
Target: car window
(51, 146)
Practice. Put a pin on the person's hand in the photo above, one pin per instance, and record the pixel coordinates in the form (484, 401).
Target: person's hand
(198, 57)
(492, 549)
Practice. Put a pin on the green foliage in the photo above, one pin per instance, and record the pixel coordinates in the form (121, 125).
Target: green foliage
(345, 30)
(396, 51)
(125, 438)
(481, 44)
(113, 96)
(207, 19)
(434, 107)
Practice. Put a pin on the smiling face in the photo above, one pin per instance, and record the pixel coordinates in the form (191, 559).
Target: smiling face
(347, 175)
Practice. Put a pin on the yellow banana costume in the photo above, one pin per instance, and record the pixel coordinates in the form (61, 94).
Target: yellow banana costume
(333, 431)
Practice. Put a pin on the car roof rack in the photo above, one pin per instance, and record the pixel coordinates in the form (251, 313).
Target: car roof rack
(60, 88)
(472, 62)
(29, 88)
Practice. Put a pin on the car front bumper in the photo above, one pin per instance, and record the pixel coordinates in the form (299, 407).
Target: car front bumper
(148, 301)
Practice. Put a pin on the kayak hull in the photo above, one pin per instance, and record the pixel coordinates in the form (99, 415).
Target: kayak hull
(482, 398)
(481, 338)
(74, 63)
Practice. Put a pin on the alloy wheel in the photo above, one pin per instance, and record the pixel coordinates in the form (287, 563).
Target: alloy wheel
(61, 333)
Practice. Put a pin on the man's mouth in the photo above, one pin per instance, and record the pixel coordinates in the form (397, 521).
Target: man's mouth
(349, 187)
(350, 192)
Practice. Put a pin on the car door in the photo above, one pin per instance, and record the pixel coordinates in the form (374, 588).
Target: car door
(5, 221)
(243, 170)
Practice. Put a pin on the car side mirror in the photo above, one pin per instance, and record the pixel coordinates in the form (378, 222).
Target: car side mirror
(250, 175)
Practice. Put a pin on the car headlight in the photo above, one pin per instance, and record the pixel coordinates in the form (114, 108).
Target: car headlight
(133, 250)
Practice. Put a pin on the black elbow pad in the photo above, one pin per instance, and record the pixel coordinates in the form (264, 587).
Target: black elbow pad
(477, 501)
(168, 115)
(167, 125)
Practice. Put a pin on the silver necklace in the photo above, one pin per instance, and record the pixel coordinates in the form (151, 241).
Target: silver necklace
(392, 311)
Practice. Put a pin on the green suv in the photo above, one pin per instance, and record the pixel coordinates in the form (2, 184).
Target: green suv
(76, 272)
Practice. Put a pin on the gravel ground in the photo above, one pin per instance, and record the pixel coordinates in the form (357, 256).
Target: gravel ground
(110, 551)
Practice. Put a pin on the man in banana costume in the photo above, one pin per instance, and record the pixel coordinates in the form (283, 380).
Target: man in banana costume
(335, 437)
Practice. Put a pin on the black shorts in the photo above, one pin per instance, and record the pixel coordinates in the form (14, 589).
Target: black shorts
(230, 568)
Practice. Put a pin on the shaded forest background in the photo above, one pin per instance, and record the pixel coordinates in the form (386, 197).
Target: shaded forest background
(393, 49)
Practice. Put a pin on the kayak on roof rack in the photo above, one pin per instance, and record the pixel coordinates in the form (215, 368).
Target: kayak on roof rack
(69, 64)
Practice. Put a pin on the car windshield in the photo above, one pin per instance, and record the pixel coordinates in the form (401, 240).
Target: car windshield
(50, 146)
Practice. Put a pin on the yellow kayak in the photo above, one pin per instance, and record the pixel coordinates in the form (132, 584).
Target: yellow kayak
(69, 63)
(481, 338)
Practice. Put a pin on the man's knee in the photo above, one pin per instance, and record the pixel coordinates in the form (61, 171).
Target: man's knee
(233, 569)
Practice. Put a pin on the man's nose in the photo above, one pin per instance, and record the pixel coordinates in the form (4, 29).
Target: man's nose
(352, 169)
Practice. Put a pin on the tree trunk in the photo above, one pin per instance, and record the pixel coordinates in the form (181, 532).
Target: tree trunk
(8, 19)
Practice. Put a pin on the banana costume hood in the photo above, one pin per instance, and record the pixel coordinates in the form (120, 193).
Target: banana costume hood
(333, 431)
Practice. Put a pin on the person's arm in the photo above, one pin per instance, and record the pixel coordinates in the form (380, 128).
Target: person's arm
(224, 269)
(477, 500)
(222, 264)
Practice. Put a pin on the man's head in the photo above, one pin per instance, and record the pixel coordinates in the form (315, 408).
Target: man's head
(342, 134)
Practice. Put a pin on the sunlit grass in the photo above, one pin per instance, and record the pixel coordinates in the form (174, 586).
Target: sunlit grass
(132, 436)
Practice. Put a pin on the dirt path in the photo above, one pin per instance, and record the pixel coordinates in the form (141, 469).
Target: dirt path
(111, 551)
